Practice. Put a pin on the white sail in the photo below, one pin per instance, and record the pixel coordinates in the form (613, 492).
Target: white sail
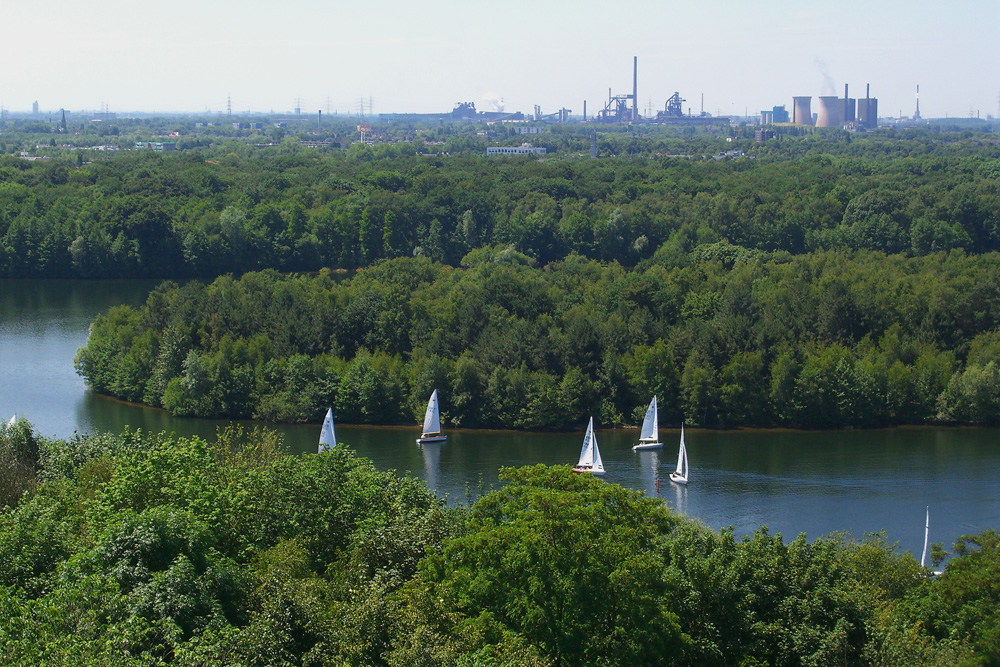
(927, 531)
(650, 424)
(13, 420)
(327, 436)
(587, 451)
(432, 417)
(590, 455)
(680, 475)
(598, 464)
(681, 457)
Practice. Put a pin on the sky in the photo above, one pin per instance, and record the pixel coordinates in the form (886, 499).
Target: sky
(196, 56)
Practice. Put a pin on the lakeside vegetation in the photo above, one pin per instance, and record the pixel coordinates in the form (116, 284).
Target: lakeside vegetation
(724, 336)
(145, 549)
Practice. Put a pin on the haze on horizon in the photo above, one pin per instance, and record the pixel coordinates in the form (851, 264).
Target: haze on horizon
(189, 56)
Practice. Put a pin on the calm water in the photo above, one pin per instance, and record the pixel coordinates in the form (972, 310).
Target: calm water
(815, 482)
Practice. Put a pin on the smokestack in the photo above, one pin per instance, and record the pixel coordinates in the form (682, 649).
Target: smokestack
(319, 119)
(635, 89)
(585, 109)
(916, 115)
(847, 106)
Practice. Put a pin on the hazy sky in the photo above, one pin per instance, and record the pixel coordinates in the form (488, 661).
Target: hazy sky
(187, 55)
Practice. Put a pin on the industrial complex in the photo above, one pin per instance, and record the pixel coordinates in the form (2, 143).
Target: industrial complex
(823, 111)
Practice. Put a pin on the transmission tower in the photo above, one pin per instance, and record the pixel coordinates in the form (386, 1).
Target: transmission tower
(229, 105)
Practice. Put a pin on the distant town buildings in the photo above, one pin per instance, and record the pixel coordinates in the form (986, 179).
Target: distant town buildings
(156, 146)
(523, 149)
(775, 115)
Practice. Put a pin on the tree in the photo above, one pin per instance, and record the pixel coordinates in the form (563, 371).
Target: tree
(563, 561)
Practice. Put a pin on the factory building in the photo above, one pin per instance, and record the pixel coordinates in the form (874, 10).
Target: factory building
(836, 111)
(868, 110)
(775, 115)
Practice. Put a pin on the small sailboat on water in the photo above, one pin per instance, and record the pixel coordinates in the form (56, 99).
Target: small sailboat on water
(432, 422)
(327, 435)
(927, 533)
(590, 455)
(649, 437)
(680, 475)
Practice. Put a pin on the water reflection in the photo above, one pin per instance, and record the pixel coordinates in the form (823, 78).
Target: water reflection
(432, 464)
(679, 497)
(649, 471)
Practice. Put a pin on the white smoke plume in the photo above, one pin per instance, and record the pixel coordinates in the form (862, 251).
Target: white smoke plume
(828, 86)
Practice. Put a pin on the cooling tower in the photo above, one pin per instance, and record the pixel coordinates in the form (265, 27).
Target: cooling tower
(830, 110)
(802, 111)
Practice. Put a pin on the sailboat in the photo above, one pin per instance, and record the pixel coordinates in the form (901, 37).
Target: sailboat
(927, 532)
(649, 435)
(432, 422)
(13, 420)
(590, 455)
(680, 475)
(327, 436)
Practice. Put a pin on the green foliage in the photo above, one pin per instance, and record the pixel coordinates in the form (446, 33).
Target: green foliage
(825, 340)
(564, 562)
(18, 461)
(220, 205)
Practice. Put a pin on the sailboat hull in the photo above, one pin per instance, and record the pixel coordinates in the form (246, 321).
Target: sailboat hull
(647, 445)
(431, 439)
(678, 479)
(587, 470)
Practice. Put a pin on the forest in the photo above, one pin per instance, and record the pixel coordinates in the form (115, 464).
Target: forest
(231, 207)
(821, 280)
(725, 337)
(147, 549)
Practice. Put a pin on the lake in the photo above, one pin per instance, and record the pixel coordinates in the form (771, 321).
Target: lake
(813, 482)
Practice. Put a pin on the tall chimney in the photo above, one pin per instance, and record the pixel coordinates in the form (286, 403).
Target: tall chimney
(635, 90)
(585, 109)
(847, 106)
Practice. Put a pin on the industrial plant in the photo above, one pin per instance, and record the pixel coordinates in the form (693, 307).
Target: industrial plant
(833, 111)
(823, 111)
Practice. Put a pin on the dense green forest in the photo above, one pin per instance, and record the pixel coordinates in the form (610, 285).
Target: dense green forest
(825, 280)
(723, 335)
(145, 549)
(231, 207)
